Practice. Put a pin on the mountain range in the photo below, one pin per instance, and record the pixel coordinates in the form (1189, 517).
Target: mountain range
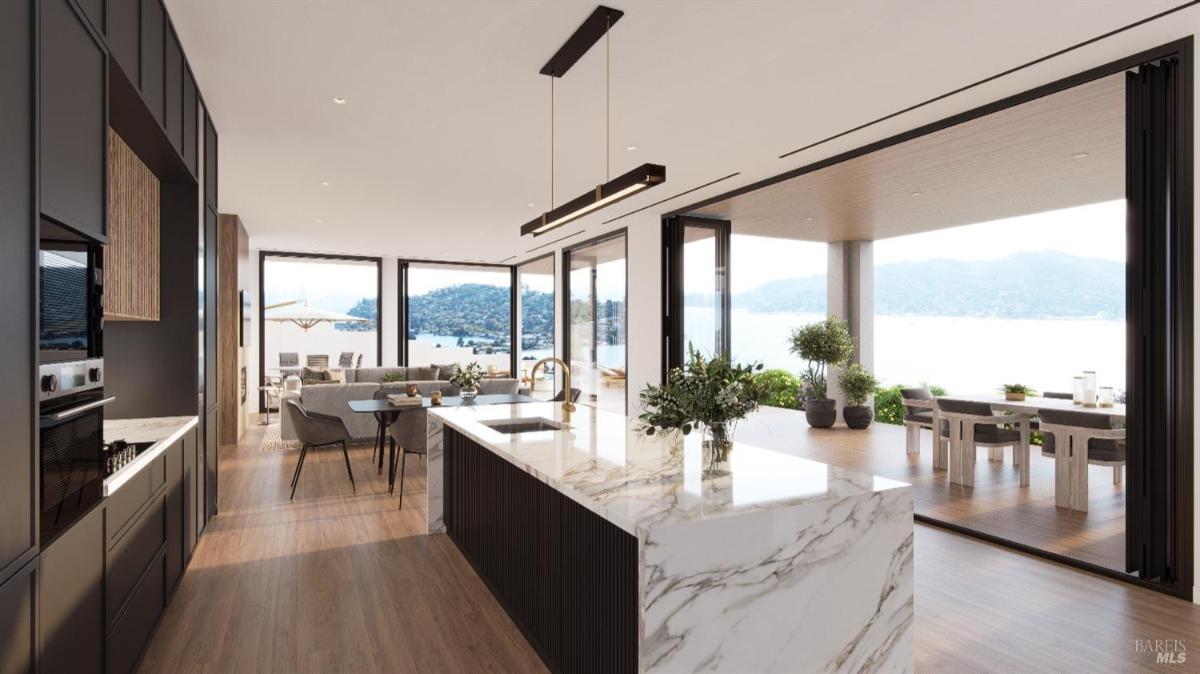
(1027, 285)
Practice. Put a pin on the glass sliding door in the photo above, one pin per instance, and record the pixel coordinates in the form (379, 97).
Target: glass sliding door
(457, 314)
(596, 294)
(535, 322)
(705, 285)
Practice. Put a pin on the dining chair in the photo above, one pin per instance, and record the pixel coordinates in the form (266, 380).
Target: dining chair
(316, 430)
(1072, 429)
(346, 359)
(575, 393)
(410, 432)
(289, 359)
(918, 414)
(314, 360)
(968, 425)
(1058, 395)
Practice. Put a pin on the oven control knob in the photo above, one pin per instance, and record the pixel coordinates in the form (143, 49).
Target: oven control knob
(49, 383)
(94, 374)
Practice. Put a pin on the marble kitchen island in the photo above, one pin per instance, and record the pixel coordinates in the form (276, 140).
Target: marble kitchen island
(613, 552)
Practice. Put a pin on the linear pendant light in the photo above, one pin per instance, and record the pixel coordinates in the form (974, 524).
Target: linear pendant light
(596, 26)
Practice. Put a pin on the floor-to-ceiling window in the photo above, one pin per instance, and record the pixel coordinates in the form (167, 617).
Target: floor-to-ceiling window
(535, 321)
(457, 314)
(316, 309)
(596, 293)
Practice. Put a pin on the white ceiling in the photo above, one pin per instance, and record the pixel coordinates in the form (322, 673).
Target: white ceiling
(1055, 152)
(444, 141)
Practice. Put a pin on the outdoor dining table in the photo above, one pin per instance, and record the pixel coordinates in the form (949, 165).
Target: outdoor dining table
(1065, 488)
(386, 414)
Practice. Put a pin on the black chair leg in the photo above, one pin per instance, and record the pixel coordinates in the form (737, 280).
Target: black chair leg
(375, 449)
(403, 461)
(346, 455)
(299, 467)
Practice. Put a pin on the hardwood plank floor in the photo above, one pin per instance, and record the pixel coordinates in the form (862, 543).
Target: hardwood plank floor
(341, 582)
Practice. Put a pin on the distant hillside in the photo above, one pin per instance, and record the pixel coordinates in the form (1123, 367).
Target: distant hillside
(1029, 285)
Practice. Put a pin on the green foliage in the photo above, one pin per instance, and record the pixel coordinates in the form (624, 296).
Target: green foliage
(856, 383)
(822, 344)
(365, 308)
(704, 391)
(393, 377)
(888, 406)
(467, 377)
(1018, 388)
(781, 388)
(468, 310)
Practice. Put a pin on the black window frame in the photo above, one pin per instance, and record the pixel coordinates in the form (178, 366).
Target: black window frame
(622, 233)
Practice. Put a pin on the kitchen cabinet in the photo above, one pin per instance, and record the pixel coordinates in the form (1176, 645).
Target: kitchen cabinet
(128, 637)
(210, 162)
(190, 139)
(132, 256)
(173, 91)
(94, 11)
(151, 59)
(210, 464)
(18, 472)
(18, 636)
(124, 37)
(71, 605)
(174, 511)
(191, 494)
(73, 133)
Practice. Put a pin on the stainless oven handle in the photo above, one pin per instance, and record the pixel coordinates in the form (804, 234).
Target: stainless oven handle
(59, 416)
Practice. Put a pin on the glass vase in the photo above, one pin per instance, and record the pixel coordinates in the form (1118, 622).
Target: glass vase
(717, 446)
(468, 393)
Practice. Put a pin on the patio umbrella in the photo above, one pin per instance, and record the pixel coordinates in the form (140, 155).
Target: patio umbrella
(306, 317)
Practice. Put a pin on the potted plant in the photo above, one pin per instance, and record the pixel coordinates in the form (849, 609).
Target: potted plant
(712, 393)
(467, 379)
(857, 383)
(1017, 392)
(821, 344)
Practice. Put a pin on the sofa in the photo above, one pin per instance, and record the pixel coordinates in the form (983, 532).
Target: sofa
(334, 398)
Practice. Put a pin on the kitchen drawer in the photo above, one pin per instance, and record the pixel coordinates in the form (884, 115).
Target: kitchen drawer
(133, 553)
(129, 636)
(129, 499)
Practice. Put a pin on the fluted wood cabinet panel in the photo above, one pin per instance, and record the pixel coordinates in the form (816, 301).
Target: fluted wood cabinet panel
(131, 258)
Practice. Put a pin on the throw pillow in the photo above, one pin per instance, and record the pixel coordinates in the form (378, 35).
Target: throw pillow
(314, 375)
(423, 373)
(336, 376)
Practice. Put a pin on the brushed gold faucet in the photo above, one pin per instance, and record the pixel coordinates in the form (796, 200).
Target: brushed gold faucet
(568, 406)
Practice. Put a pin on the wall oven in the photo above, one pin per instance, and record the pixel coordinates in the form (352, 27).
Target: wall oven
(71, 300)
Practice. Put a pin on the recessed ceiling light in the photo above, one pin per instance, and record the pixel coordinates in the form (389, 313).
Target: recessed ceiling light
(339, 100)
(1081, 155)
(630, 148)
(324, 183)
(320, 221)
(916, 194)
(808, 219)
(532, 205)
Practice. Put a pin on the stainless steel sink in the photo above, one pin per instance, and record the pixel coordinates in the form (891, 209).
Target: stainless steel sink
(530, 425)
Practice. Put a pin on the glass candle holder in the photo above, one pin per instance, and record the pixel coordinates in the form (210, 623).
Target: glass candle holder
(1089, 388)
(1106, 396)
(1077, 396)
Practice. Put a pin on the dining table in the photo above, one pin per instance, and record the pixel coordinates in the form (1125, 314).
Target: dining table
(387, 413)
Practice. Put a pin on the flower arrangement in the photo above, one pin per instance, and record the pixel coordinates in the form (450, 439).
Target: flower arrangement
(467, 378)
(713, 393)
(1017, 391)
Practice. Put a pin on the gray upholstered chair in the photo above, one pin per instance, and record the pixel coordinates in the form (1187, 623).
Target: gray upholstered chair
(412, 434)
(1058, 395)
(314, 360)
(289, 359)
(967, 424)
(346, 360)
(1105, 447)
(316, 430)
(918, 414)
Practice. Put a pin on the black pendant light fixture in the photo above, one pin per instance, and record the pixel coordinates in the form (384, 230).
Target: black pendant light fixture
(596, 26)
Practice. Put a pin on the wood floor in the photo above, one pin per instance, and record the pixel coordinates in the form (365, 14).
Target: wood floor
(338, 582)
(996, 505)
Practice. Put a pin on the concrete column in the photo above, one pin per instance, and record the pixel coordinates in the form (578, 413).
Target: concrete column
(850, 295)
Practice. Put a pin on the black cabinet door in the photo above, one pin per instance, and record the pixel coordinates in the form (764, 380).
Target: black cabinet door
(18, 475)
(94, 9)
(210, 464)
(73, 135)
(190, 140)
(173, 79)
(71, 605)
(174, 455)
(152, 85)
(190, 493)
(17, 628)
(131, 633)
(210, 162)
(124, 20)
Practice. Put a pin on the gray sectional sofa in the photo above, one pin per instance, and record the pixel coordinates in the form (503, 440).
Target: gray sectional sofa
(362, 383)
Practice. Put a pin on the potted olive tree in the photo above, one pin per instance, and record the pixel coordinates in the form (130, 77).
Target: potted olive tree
(821, 344)
(857, 384)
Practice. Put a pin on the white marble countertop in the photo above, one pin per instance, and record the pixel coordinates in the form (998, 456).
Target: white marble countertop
(641, 483)
(160, 430)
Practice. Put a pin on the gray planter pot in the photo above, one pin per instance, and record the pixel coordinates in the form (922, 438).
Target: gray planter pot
(857, 417)
(820, 412)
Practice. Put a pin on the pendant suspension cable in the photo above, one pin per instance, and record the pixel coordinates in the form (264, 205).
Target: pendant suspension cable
(607, 98)
(551, 142)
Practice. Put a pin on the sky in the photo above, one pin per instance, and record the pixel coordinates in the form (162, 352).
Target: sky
(1095, 230)
(335, 285)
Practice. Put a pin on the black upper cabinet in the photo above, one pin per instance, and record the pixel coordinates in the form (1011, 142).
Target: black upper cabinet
(18, 477)
(124, 19)
(152, 56)
(94, 9)
(73, 135)
(174, 91)
(210, 161)
(189, 121)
